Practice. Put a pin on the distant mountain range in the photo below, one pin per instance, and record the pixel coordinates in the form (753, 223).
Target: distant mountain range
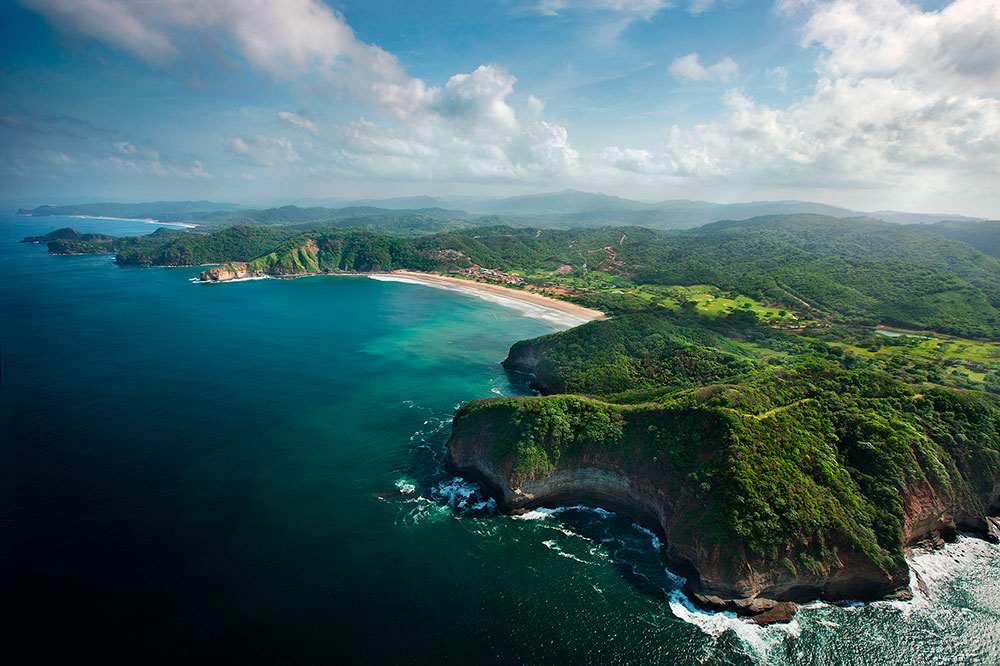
(569, 208)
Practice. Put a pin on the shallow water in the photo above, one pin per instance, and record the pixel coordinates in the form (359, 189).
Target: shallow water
(195, 469)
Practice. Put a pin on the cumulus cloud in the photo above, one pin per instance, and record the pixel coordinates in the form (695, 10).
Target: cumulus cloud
(848, 132)
(689, 67)
(632, 160)
(283, 37)
(263, 150)
(956, 49)
(467, 125)
(464, 130)
(906, 99)
(298, 122)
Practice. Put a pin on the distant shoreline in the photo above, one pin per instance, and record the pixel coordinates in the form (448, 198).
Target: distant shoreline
(147, 220)
(578, 311)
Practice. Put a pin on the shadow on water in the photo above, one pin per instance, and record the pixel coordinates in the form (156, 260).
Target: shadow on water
(632, 550)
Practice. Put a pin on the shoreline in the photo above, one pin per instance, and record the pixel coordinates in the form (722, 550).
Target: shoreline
(147, 220)
(531, 298)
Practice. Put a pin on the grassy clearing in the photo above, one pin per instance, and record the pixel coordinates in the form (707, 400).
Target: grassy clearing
(965, 363)
(705, 299)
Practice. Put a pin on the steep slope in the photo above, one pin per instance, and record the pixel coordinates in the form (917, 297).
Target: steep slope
(801, 483)
(328, 252)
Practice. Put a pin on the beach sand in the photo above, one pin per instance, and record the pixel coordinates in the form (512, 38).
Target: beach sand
(563, 307)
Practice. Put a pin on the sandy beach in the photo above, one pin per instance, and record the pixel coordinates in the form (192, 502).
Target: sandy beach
(147, 220)
(514, 294)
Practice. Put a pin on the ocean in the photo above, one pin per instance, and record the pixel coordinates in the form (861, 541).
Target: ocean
(251, 472)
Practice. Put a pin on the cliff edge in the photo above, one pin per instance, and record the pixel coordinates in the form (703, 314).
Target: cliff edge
(792, 484)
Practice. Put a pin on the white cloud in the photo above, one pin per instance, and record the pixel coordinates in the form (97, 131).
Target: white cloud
(263, 150)
(138, 166)
(196, 171)
(846, 132)
(632, 160)
(45, 146)
(882, 122)
(467, 124)
(689, 67)
(297, 121)
(906, 101)
(465, 130)
(778, 76)
(283, 37)
(640, 9)
(956, 49)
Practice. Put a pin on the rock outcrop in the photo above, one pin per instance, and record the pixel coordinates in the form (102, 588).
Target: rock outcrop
(234, 271)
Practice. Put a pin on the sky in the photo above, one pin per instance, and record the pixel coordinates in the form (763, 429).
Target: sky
(867, 104)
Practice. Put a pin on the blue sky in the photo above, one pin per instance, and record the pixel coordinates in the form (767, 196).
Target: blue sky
(869, 104)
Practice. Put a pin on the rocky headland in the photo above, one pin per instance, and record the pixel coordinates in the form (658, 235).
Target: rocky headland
(759, 507)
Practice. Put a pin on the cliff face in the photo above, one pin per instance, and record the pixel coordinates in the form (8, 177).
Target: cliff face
(234, 271)
(350, 252)
(526, 356)
(613, 457)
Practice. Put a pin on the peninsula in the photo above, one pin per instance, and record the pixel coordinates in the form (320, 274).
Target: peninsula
(767, 486)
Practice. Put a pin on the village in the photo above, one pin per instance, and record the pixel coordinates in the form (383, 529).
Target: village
(490, 275)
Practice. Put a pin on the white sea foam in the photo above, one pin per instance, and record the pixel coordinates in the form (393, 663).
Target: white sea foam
(657, 544)
(553, 546)
(760, 641)
(246, 279)
(535, 311)
(535, 514)
(424, 511)
(405, 487)
(463, 495)
(968, 557)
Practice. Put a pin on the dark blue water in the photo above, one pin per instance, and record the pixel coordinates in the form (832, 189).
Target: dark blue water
(198, 472)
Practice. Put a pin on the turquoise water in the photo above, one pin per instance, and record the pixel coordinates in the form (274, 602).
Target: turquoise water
(193, 473)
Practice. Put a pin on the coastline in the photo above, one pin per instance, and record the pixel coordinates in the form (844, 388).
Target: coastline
(147, 220)
(571, 309)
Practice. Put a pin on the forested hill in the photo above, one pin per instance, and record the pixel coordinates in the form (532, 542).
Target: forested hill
(568, 209)
(865, 238)
(212, 216)
(984, 236)
(858, 270)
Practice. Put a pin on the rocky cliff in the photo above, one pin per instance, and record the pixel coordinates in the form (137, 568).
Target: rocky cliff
(234, 271)
(336, 252)
(760, 507)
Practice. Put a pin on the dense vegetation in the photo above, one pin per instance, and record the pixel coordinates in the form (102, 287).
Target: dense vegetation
(340, 250)
(809, 454)
(984, 236)
(634, 353)
(856, 271)
(790, 440)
